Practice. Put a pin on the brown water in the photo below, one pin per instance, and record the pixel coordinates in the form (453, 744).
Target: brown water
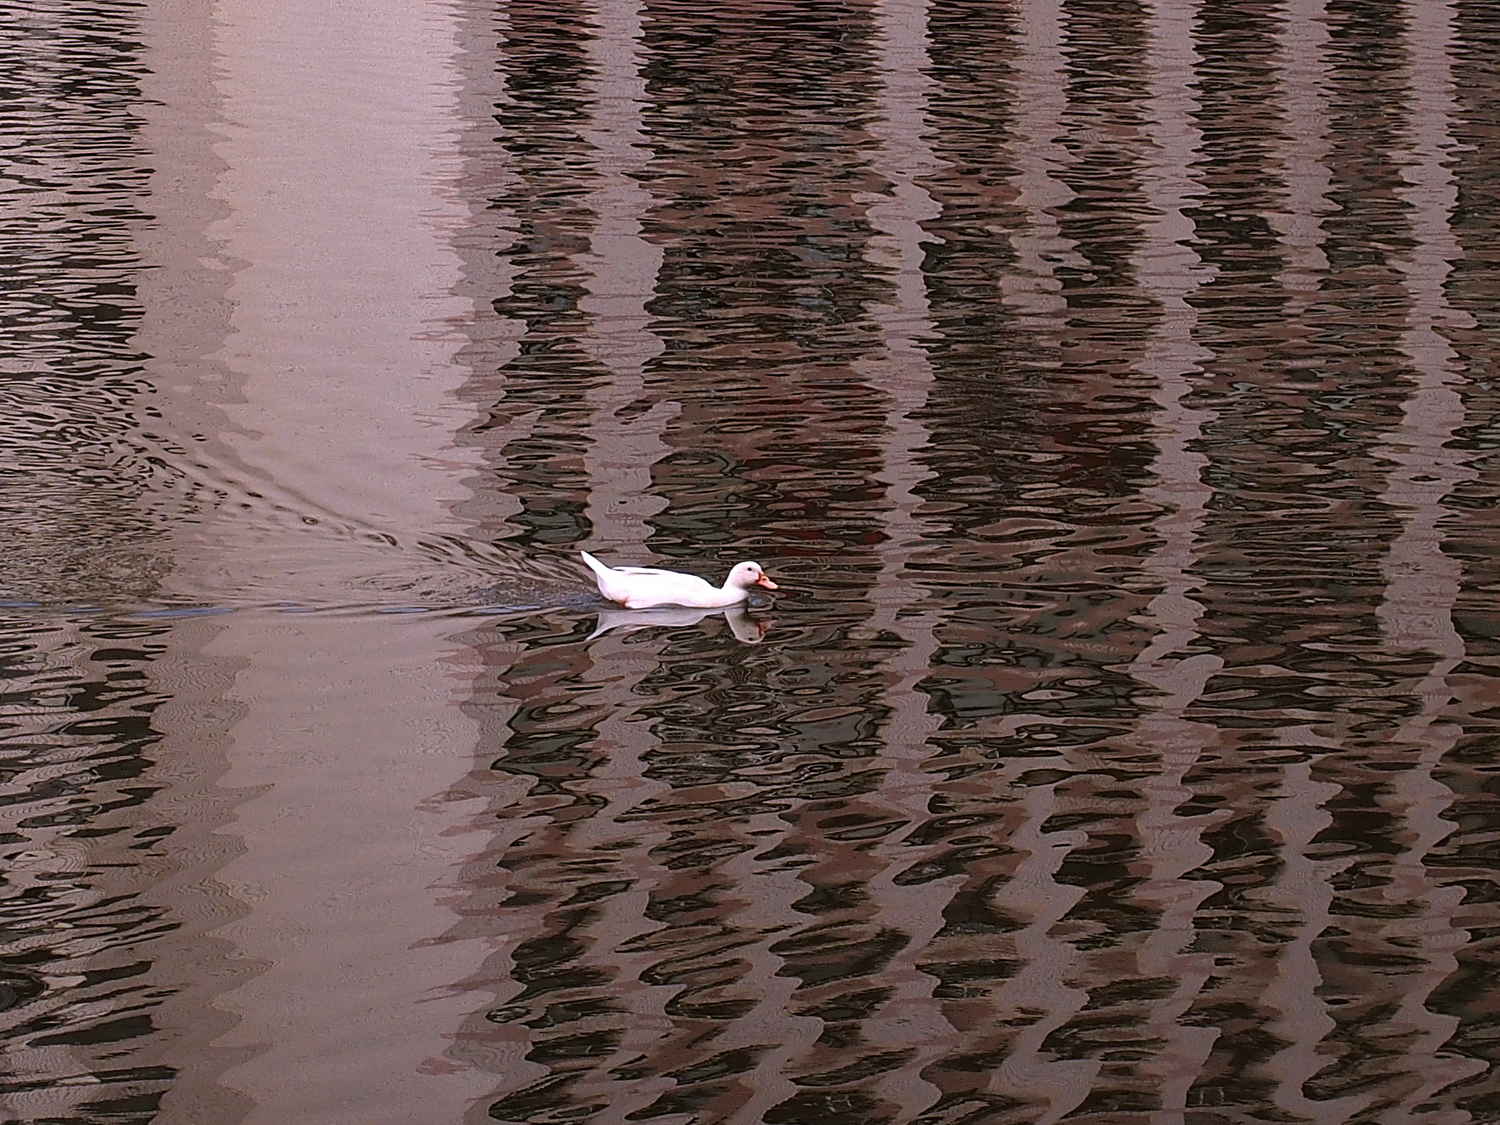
(1109, 386)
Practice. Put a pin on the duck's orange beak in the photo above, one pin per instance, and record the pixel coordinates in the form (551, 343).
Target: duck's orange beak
(766, 582)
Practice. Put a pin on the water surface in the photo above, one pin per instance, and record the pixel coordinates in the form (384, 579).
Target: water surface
(1109, 387)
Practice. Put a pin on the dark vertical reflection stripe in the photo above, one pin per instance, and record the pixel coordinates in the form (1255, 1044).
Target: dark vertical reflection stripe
(622, 267)
(1422, 583)
(82, 498)
(83, 837)
(1173, 663)
(909, 1033)
(84, 507)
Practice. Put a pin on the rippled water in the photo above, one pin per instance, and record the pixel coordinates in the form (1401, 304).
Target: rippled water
(1110, 387)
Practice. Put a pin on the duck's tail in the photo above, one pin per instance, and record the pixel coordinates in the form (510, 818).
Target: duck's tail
(594, 564)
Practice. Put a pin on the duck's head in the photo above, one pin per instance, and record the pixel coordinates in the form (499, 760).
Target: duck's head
(747, 574)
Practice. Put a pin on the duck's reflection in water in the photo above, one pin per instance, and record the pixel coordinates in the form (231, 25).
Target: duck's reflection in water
(748, 629)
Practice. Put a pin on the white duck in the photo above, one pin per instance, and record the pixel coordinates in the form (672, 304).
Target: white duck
(641, 587)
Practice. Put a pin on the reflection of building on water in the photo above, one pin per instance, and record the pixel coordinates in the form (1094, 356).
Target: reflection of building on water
(85, 497)
(1423, 584)
(98, 958)
(95, 959)
(1067, 663)
(1172, 670)
(302, 277)
(1128, 709)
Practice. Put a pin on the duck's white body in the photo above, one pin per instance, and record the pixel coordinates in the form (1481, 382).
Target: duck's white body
(641, 587)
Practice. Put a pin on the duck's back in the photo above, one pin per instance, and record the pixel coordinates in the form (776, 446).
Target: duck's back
(643, 587)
